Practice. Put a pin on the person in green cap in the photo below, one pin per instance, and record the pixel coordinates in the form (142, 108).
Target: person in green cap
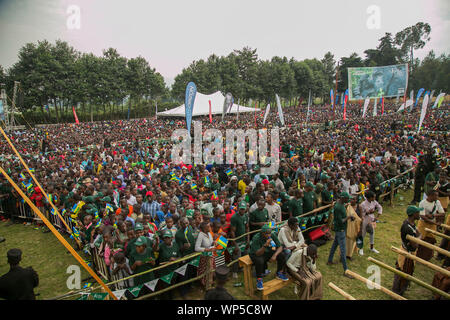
(168, 252)
(260, 216)
(265, 247)
(404, 264)
(141, 260)
(340, 226)
(239, 226)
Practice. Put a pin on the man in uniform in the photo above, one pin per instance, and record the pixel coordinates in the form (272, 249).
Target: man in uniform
(219, 292)
(18, 283)
(340, 227)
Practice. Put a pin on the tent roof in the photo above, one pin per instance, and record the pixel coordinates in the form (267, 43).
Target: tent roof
(201, 106)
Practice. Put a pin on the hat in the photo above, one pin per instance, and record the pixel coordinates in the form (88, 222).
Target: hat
(99, 195)
(204, 212)
(14, 256)
(344, 195)
(87, 180)
(167, 234)
(265, 181)
(243, 205)
(138, 227)
(88, 199)
(319, 186)
(324, 176)
(256, 167)
(141, 241)
(233, 178)
(222, 272)
(189, 213)
(412, 210)
(106, 199)
(266, 228)
(284, 195)
(310, 184)
(148, 193)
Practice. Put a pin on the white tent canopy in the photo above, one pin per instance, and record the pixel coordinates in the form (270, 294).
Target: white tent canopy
(201, 106)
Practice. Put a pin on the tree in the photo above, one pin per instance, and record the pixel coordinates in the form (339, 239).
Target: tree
(385, 54)
(329, 68)
(414, 37)
(346, 62)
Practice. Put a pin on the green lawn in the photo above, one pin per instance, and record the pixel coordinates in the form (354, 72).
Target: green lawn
(50, 259)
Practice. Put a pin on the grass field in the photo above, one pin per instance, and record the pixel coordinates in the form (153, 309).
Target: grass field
(50, 259)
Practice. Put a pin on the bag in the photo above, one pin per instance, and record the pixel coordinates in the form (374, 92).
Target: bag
(318, 233)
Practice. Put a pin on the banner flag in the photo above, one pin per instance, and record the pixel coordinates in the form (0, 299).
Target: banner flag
(135, 290)
(226, 104)
(151, 284)
(411, 95)
(366, 104)
(419, 93)
(230, 105)
(189, 99)
(167, 278)
(237, 116)
(99, 296)
(128, 115)
(423, 112)
(2, 114)
(439, 97)
(431, 97)
(309, 103)
(119, 293)
(374, 114)
(332, 98)
(345, 107)
(337, 99)
(156, 108)
(75, 115)
(182, 270)
(382, 105)
(280, 110)
(267, 113)
(210, 115)
(405, 106)
(195, 262)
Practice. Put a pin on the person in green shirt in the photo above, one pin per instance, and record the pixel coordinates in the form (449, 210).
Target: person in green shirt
(296, 204)
(184, 237)
(168, 252)
(340, 227)
(327, 197)
(260, 216)
(239, 226)
(309, 198)
(266, 247)
(431, 179)
(141, 260)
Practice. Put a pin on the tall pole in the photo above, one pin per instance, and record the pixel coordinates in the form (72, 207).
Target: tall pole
(335, 87)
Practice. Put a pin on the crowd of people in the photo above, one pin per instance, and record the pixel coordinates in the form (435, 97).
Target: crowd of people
(116, 181)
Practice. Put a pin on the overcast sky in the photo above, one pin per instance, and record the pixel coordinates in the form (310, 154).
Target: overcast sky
(170, 34)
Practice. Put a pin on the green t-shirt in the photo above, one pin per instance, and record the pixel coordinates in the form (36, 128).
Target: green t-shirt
(296, 206)
(326, 197)
(165, 253)
(257, 242)
(239, 222)
(431, 176)
(258, 216)
(146, 256)
(339, 213)
(181, 238)
(308, 201)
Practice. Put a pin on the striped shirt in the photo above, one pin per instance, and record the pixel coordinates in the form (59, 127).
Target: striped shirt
(151, 208)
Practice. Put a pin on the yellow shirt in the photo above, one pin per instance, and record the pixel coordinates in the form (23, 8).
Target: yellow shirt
(242, 186)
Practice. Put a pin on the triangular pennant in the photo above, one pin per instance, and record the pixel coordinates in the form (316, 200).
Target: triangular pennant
(151, 284)
(167, 278)
(182, 270)
(135, 290)
(119, 293)
(195, 262)
(99, 296)
(84, 296)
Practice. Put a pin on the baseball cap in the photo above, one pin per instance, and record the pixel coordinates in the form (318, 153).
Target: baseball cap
(412, 210)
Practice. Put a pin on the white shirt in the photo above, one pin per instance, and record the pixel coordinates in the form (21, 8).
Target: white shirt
(132, 201)
(294, 261)
(274, 212)
(282, 236)
(428, 206)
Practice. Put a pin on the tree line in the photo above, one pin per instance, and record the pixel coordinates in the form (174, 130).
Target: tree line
(58, 75)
